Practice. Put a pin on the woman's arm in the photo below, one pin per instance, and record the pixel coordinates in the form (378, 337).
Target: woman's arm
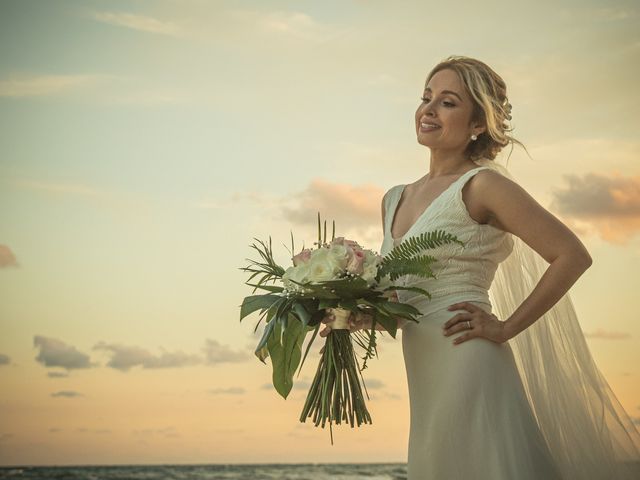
(515, 211)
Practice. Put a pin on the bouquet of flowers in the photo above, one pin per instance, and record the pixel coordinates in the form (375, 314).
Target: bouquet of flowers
(343, 278)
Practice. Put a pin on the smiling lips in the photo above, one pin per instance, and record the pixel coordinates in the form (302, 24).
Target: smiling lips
(428, 126)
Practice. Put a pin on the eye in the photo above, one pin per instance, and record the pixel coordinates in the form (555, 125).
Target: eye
(448, 104)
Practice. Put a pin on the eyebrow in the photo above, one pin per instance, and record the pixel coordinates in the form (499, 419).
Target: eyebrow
(445, 91)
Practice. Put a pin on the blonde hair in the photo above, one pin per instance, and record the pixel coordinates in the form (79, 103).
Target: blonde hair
(491, 106)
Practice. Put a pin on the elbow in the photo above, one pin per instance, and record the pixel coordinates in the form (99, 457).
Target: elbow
(586, 261)
(580, 261)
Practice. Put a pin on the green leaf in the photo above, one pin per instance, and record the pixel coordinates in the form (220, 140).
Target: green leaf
(257, 302)
(401, 309)
(349, 304)
(302, 313)
(269, 288)
(389, 323)
(408, 257)
(285, 356)
(327, 303)
(315, 332)
(262, 351)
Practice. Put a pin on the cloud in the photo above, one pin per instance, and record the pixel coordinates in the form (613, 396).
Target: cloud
(294, 24)
(607, 334)
(140, 23)
(298, 384)
(374, 383)
(56, 353)
(609, 205)
(290, 25)
(304, 384)
(92, 430)
(39, 85)
(355, 206)
(125, 357)
(252, 197)
(7, 258)
(57, 374)
(165, 432)
(301, 384)
(227, 391)
(4, 359)
(67, 394)
(217, 353)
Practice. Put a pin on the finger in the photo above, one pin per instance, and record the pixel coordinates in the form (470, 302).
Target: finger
(458, 317)
(462, 338)
(458, 327)
(463, 305)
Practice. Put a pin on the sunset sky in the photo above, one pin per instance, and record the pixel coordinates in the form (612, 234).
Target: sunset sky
(143, 144)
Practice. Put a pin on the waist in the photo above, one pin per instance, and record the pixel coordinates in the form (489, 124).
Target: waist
(443, 300)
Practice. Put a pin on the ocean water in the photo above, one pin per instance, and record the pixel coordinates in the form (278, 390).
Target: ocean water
(300, 471)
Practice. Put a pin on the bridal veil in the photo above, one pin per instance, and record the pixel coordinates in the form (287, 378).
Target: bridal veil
(587, 430)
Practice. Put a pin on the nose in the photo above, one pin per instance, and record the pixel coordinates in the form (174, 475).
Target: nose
(429, 109)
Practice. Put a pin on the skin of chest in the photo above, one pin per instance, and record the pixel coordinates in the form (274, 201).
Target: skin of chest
(417, 197)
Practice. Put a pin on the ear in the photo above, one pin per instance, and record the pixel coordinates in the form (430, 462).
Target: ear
(479, 128)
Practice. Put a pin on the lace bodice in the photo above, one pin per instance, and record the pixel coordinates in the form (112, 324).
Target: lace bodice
(469, 269)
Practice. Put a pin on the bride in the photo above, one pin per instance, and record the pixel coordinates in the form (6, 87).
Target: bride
(491, 399)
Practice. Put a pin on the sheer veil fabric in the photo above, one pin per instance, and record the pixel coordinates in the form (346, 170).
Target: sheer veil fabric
(587, 430)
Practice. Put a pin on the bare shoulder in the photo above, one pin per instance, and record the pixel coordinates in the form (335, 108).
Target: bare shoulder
(488, 192)
(506, 205)
(490, 179)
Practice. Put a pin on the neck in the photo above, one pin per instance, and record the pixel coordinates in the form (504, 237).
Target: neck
(442, 163)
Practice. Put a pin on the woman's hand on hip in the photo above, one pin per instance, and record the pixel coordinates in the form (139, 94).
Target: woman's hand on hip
(483, 324)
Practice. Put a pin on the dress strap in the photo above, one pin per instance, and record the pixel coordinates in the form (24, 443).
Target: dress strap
(462, 180)
(391, 199)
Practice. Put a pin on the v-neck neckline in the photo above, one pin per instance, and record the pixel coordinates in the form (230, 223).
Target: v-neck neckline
(424, 212)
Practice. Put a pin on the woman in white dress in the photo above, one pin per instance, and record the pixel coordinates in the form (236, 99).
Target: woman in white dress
(492, 399)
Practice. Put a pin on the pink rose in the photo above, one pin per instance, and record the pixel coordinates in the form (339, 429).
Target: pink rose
(347, 243)
(356, 261)
(302, 257)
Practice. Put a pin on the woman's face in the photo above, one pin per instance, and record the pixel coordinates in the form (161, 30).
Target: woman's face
(445, 104)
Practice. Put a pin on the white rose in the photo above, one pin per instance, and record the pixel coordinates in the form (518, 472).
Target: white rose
(297, 274)
(370, 272)
(323, 265)
(384, 283)
(341, 253)
(370, 258)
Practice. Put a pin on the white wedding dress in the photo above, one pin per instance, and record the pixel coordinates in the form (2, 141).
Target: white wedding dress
(470, 415)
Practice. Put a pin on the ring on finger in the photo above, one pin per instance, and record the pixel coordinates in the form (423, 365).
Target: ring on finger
(469, 325)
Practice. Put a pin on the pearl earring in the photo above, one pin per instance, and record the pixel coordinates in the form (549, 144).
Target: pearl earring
(474, 137)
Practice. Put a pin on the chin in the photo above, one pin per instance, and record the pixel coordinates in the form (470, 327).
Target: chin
(425, 141)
